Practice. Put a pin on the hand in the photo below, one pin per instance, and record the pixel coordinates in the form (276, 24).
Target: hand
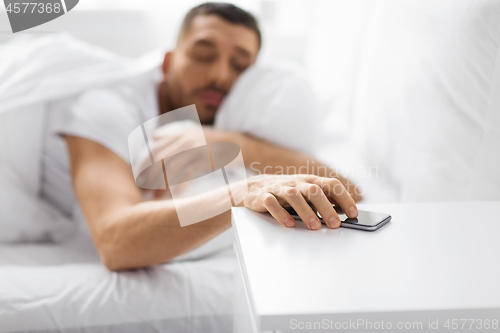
(270, 193)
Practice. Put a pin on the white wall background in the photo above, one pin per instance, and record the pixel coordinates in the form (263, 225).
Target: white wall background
(388, 72)
(134, 27)
(292, 30)
(131, 27)
(316, 34)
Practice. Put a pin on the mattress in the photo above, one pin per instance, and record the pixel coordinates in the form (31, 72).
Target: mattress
(64, 287)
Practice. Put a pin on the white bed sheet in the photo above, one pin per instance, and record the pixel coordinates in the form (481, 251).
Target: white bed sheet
(64, 287)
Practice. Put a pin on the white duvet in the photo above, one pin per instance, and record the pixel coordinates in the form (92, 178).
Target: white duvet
(64, 287)
(179, 297)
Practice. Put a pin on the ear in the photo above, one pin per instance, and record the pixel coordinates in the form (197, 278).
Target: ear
(166, 62)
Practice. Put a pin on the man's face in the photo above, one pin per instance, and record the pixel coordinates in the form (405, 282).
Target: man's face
(208, 58)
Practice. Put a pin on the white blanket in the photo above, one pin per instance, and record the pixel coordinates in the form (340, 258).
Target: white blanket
(34, 72)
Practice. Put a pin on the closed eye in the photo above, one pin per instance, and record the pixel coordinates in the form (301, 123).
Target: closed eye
(204, 51)
(238, 66)
(203, 57)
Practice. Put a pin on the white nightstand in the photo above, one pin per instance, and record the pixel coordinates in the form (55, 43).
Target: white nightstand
(434, 264)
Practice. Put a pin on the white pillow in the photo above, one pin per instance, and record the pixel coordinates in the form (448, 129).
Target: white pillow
(273, 102)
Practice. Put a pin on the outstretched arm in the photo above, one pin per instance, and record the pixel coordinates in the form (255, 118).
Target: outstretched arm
(267, 158)
(130, 233)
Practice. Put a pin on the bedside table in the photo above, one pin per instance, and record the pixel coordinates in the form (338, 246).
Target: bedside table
(432, 267)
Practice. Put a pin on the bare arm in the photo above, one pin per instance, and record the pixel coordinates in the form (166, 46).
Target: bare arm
(269, 158)
(128, 232)
(259, 155)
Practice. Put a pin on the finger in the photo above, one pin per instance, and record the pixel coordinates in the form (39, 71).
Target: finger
(335, 205)
(351, 188)
(331, 199)
(334, 188)
(295, 199)
(314, 193)
(277, 211)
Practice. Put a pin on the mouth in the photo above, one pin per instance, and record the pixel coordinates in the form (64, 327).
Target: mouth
(211, 97)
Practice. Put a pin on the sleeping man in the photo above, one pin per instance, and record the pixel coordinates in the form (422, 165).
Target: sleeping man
(216, 44)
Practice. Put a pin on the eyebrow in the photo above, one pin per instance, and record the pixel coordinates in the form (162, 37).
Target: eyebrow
(209, 43)
(204, 42)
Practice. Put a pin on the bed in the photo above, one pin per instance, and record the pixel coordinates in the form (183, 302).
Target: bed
(438, 74)
(64, 287)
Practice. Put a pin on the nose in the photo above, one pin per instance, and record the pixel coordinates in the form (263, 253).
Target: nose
(221, 74)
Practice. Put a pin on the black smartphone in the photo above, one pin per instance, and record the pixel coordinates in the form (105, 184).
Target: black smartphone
(368, 221)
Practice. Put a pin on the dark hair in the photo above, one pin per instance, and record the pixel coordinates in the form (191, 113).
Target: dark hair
(226, 11)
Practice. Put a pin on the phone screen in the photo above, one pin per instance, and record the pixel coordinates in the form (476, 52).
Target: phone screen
(364, 218)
